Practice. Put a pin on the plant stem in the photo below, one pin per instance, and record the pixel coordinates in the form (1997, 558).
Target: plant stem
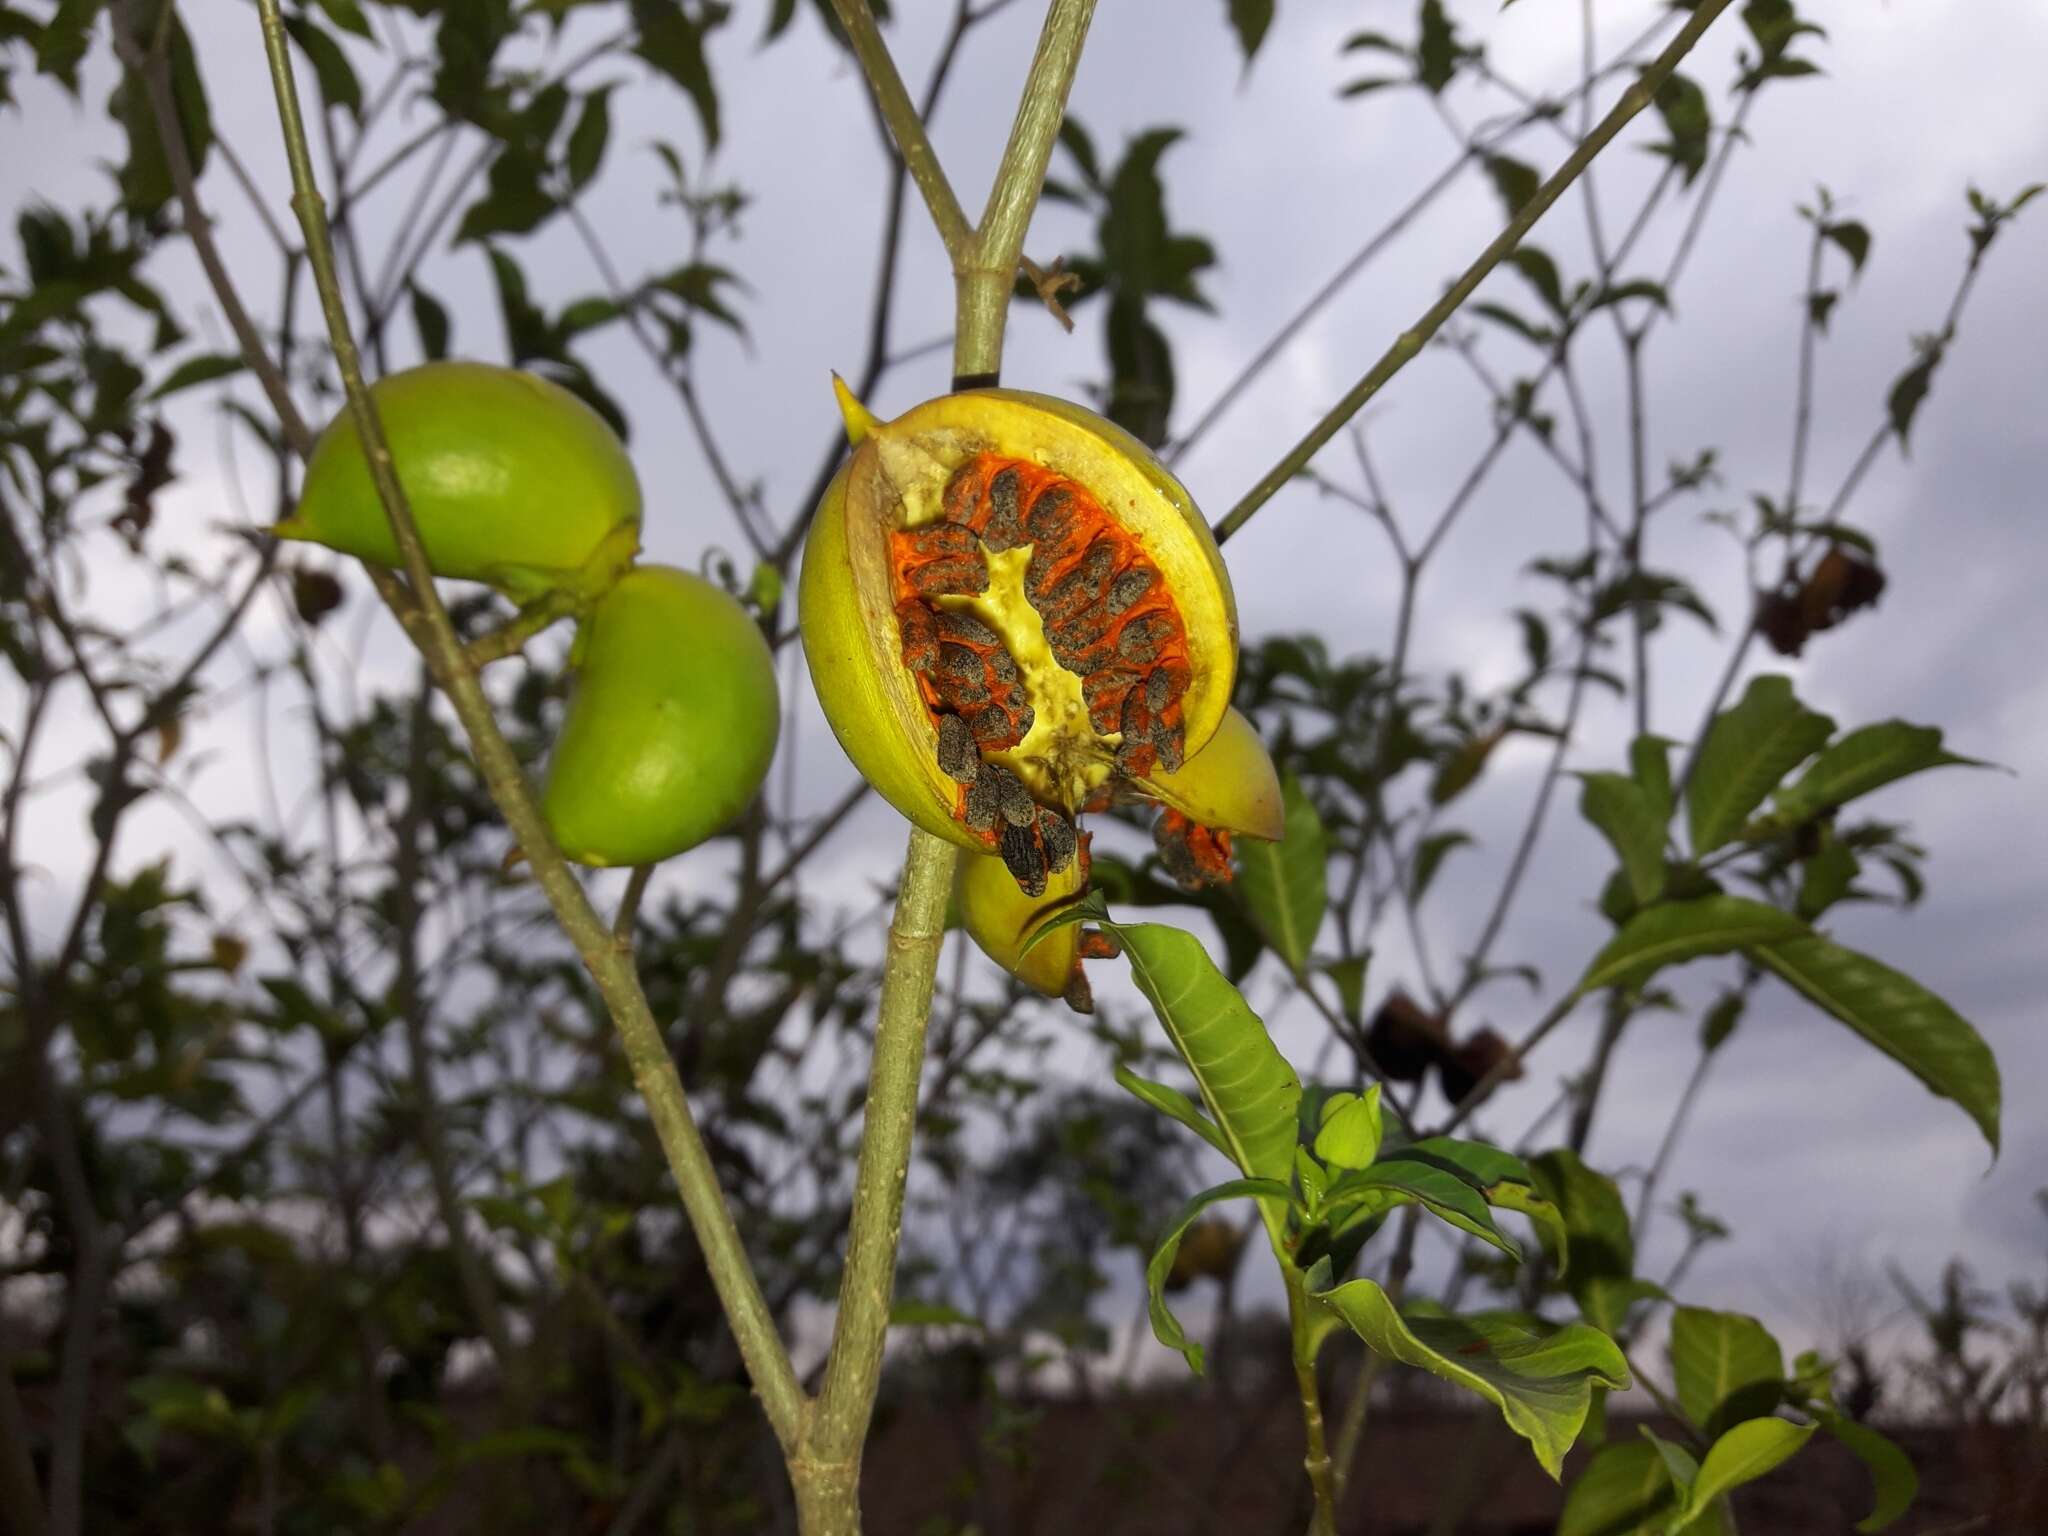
(426, 622)
(905, 126)
(1317, 1459)
(825, 1464)
(1410, 342)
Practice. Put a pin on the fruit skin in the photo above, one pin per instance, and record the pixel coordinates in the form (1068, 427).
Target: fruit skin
(1001, 919)
(1231, 785)
(512, 480)
(846, 610)
(672, 724)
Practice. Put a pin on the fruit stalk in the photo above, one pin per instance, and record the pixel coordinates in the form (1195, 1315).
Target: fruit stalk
(419, 609)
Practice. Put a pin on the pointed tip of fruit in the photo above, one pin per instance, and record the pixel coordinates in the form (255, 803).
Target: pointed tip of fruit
(860, 421)
(1230, 785)
(294, 527)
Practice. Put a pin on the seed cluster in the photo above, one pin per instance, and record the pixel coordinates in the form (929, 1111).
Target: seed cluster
(1108, 619)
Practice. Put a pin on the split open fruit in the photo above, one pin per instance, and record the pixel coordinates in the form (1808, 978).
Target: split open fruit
(511, 479)
(672, 724)
(1012, 613)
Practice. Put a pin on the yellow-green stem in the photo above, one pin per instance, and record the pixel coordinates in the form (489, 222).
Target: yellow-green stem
(1316, 1458)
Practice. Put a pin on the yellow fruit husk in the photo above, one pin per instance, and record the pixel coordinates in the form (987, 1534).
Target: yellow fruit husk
(1001, 920)
(894, 480)
(1230, 785)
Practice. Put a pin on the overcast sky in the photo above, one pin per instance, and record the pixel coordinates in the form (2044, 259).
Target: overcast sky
(1806, 1139)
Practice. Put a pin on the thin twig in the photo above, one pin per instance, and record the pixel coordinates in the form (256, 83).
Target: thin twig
(1410, 342)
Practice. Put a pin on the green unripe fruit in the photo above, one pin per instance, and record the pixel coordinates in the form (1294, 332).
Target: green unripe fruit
(512, 480)
(671, 726)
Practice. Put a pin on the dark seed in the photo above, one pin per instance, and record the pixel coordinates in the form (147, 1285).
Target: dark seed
(1136, 719)
(958, 662)
(992, 729)
(1022, 858)
(1005, 529)
(957, 757)
(1083, 587)
(1143, 637)
(982, 804)
(1051, 515)
(964, 695)
(1022, 721)
(1136, 759)
(1097, 945)
(920, 641)
(1059, 838)
(1076, 634)
(1158, 690)
(1001, 668)
(1077, 995)
(955, 624)
(1129, 587)
(955, 573)
(1171, 742)
(1175, 854)
(940, 539)
(962, 497)
(1012, 798)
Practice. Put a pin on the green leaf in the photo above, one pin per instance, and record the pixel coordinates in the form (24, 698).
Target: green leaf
(1854, 239)
(1598, 1238)
(1745, 1453)
(674, 44)
(1144, 256)
(514, 201)
(1649, 760)
(1727, 1368)
(1748, 750)
(1349, 1136)
(1868, 758)
(1250, 19)
(1626, 815)
(1721, 1019)
(1165, 1326)
(588, 138)
(1173, 1104)
(1894, 1482)
(145, 178)
(199, 370)
(1677, 931)
(1429, 857)
(1679, 1465)
(1371, 1192)
(1285, 885)
(431, 321)
(1623, 1491)
(1542, 1381)
(1534, 263)
(1501, 1178)
(1141, 377)
(1438, 51)
(348, 15)
(1349, 975)
(1898, 1016)
(1247, 1086)
(1903, 403)
(1515, 180)
(1825, 878)
(1689, 121)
